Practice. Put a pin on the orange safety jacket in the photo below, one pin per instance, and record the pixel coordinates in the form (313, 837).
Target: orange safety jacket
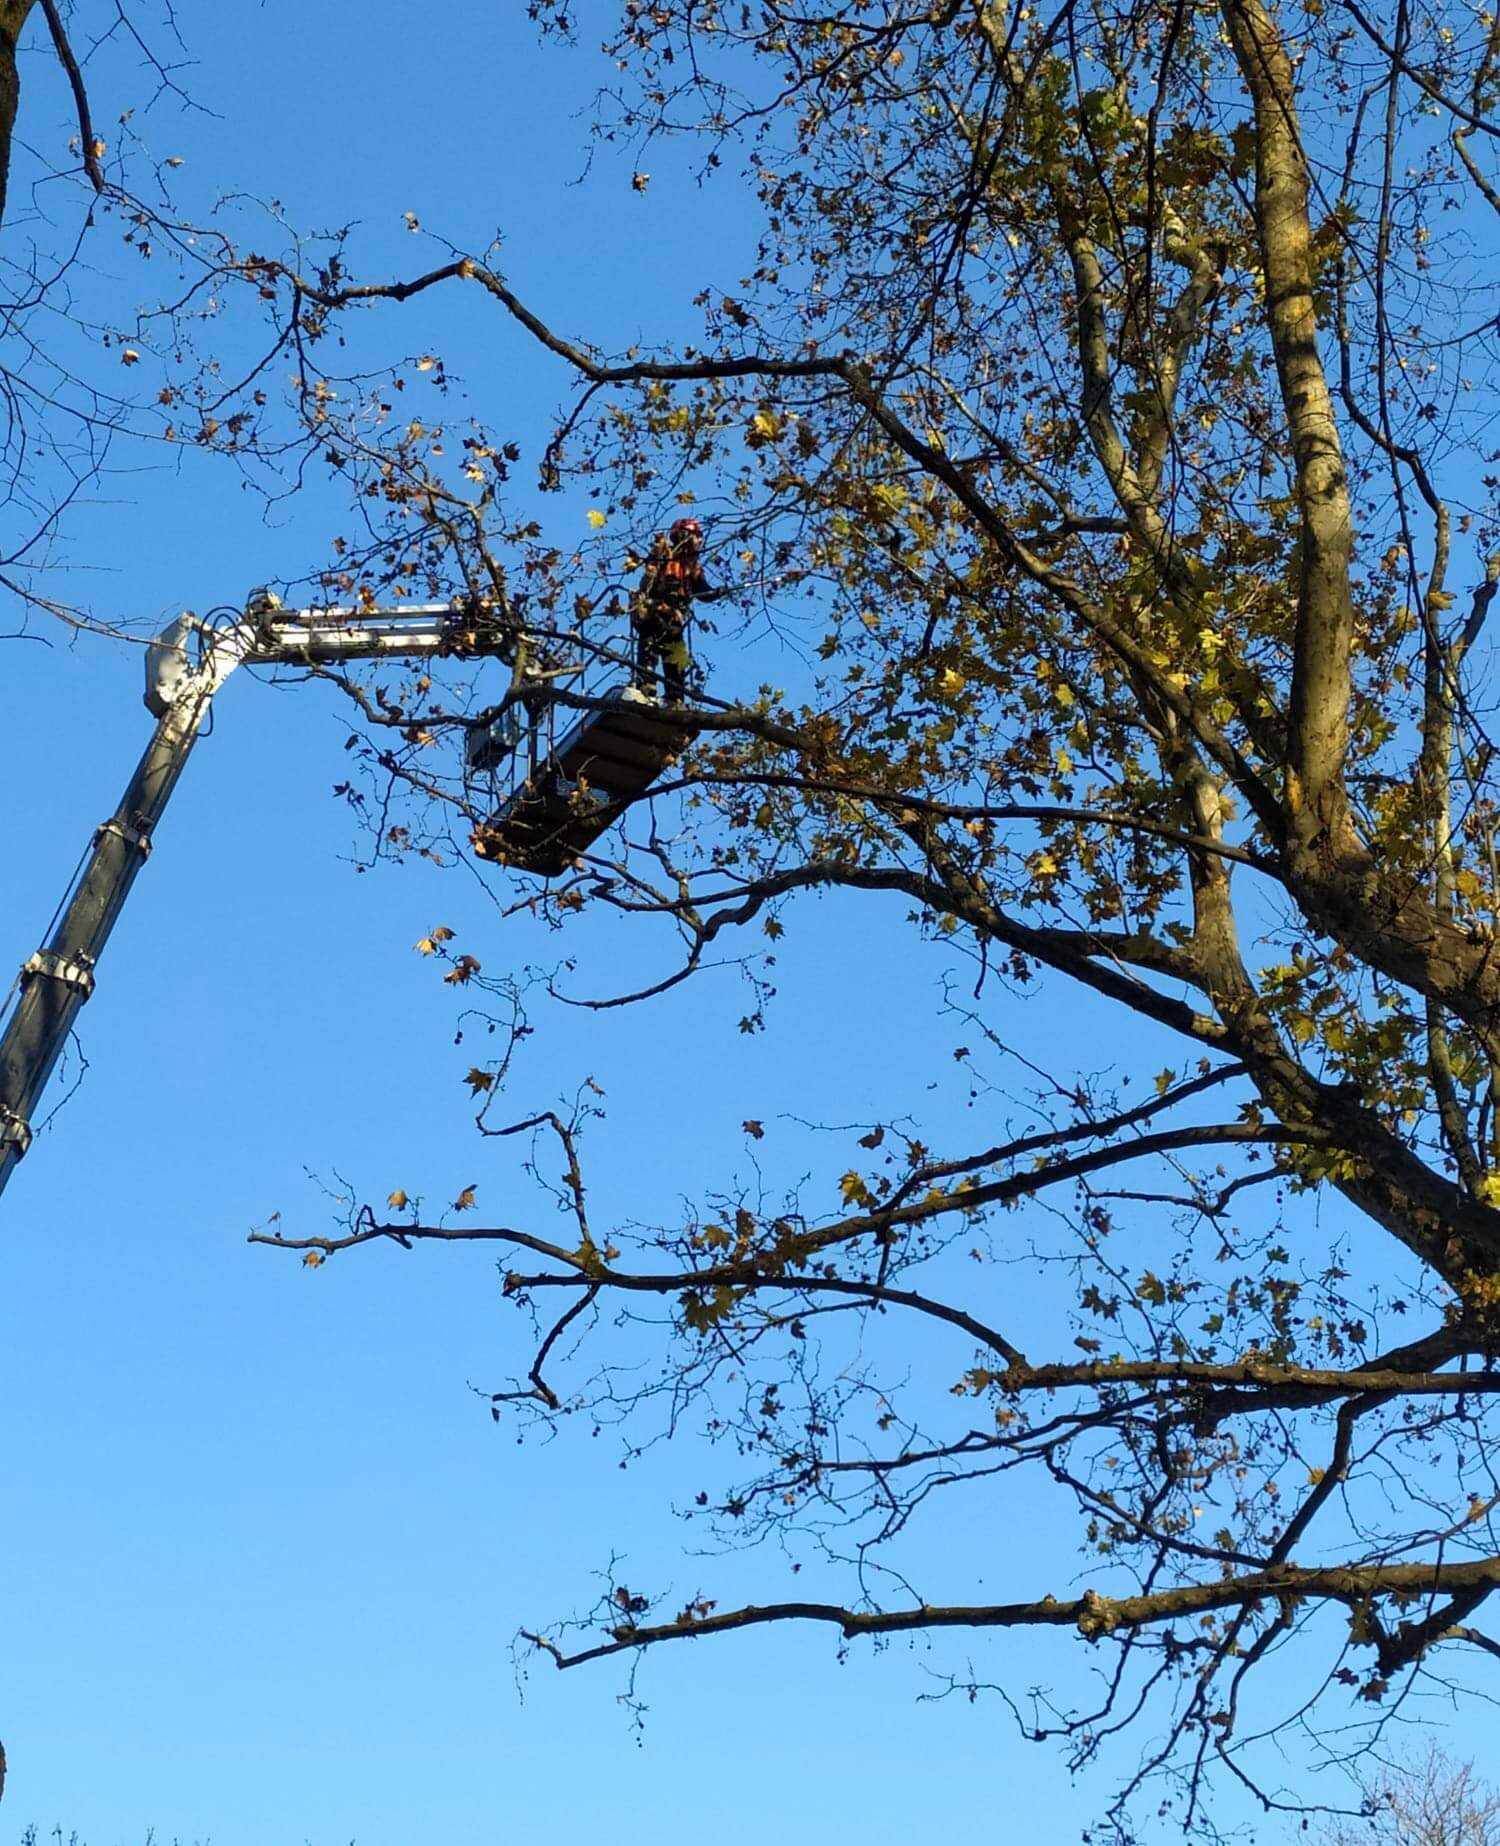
(669, 585)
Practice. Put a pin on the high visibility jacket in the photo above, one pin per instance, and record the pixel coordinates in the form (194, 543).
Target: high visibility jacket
(669, 585)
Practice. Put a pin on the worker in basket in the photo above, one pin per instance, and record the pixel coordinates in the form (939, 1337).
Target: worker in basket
(670, 584)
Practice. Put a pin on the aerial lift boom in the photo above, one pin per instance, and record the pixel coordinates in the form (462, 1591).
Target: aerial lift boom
(59, 978)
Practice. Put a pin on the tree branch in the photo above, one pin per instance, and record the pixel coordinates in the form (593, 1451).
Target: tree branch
(86, 136)
(1093, 1615)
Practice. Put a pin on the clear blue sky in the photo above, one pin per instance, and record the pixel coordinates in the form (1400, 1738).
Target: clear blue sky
(264, 1552)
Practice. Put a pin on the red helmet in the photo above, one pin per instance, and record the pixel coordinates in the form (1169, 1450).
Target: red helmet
(684, 529)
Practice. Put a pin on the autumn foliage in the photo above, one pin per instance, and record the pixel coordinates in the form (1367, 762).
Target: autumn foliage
(1109, 408)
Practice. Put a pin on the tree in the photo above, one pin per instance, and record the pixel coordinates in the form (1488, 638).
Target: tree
(1108, 403)
(1432, 1801)
(87, 207)
(62, 411)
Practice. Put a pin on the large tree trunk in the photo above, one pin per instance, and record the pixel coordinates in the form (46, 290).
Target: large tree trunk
(12, 18)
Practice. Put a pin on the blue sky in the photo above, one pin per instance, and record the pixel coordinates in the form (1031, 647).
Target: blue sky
(265, 1551)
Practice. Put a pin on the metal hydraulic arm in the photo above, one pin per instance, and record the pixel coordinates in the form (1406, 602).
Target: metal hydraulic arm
(53, 985)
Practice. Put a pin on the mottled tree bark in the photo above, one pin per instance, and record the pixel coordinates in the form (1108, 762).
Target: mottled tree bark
(1320, 693)
(12, 19)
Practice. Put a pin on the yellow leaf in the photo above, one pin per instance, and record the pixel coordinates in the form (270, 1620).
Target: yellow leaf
(397, 1201)
(440, 934)
(313, 1259)
(465, 1200)
(855, 1191)
(426, 362)
(427, 946)
(130, 356)
(596, 518)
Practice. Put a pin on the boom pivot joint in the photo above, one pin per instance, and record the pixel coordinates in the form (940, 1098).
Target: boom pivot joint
(76, 972)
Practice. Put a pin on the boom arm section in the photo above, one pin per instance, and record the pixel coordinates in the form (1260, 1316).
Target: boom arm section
(53, 985)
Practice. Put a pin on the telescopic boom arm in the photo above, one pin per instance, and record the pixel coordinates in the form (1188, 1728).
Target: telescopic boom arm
(52, 987)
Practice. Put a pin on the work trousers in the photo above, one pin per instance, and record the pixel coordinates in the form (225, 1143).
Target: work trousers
(661, 639)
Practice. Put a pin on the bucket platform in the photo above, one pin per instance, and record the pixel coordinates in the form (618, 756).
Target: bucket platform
(583, 784)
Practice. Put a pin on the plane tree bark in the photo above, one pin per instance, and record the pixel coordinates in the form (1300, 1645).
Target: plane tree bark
(12, 18)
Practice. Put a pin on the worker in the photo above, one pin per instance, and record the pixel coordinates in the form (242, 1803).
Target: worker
(670, 584)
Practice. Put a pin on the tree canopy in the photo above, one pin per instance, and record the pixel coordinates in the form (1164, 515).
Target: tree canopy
(1425, 1801)
(1102, 432)
(84, 197)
